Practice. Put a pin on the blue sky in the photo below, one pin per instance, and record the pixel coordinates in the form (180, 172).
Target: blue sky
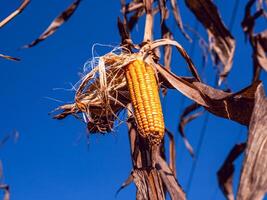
(52, 159)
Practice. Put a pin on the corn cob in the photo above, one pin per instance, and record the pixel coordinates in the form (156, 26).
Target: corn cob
(145, 99)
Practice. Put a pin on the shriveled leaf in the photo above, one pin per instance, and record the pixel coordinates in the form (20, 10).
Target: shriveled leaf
(9, 57)
(235, 106)
(173, 187)
(178, 19)
(127, 182)
(249, 19)
(133, 6)
(203, 44)
(221, 41)
(15, 13)
(134, 18)
(56, 23)
(172, 151)
(226, 172)
(181, 50)
(253, 181)
(125, 36)
(163, 10)
(185, 119)
(257, 41)
(259, 44)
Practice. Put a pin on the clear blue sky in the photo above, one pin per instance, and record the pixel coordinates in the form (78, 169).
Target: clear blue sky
(51, 160)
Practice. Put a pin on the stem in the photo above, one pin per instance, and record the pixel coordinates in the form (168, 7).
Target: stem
(148, 33)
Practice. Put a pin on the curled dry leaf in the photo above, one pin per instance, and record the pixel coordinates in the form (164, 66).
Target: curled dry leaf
(132, 6)
(203, 44)
(134, 18)
(127, 182)
(15, 13)
(234, 106)
(226, 172)
(221, 41)
(172, 151)
(257, 41)
(163, 10)
(253, 181)
(169, 180)
(185, 119)
(56, 23)
(9, 57)
(249, 19)
(259, 44)
(125, 36)
(137, 8)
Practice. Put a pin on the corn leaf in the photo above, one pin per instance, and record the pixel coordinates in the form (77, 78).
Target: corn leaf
(185, 118)
(226, 172)
(253, 181)
(222, 42)
(234, 106)
(56, 23)
(9, 57)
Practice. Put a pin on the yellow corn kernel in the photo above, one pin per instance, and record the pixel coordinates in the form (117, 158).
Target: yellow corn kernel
(145, 99)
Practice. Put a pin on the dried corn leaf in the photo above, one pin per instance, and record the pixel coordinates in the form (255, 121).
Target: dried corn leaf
(163, 10)
(169, 180)
(261, 49)
(127, 182)
(56, 23)
(226, 172)
(134, 18)
(185, 119)
(222, 42)
(234, 106)
(249, 19)
(9, 57)
(137, 8)
(253, 181)
(203, 44)
(132, 6)
(258, 41)
(172, 155)
(15, 13)
(125, 36)
(259, 44)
